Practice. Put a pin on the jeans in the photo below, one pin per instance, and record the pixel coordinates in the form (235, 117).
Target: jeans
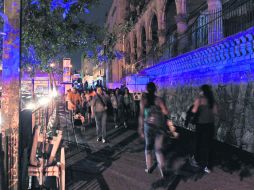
(152, 134)
(204, 139)
(115, 113)
(154, 140)
(101, 121)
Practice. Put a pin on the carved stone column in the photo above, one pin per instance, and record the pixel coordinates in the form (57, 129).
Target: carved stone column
(181, 17)
(182, 25)
(181, 21)
(215, 27)
(11, 94)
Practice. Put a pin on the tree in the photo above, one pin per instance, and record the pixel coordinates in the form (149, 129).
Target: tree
(111, 39)
(53, 28)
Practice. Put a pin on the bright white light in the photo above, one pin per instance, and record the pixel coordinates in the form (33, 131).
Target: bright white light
(44, 101)
(54, 93)
(3, 33)
(52, 65)
(30, 106)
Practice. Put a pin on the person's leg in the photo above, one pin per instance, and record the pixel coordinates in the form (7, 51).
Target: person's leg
(198, 136)
(120, 116)
(210, 146)
(125, 116)
(159, 154)
(104, 125)
(115, 117)
(98, 119)
(149, 146)
(203, 145)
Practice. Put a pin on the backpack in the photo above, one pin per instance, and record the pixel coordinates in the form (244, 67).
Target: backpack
(154, 116)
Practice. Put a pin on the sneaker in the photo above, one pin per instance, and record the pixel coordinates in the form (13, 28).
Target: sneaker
(125, 125)
(98, 139)
(116, 126)
(148, 170)
(206, 170)
(103, 141)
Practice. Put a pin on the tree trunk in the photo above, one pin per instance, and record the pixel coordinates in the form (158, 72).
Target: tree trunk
(11, 94)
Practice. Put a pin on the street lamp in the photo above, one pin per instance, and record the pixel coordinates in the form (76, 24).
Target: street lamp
(52, 65)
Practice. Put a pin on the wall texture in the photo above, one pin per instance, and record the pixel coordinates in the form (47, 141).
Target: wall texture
(228, 66)
(234, 122)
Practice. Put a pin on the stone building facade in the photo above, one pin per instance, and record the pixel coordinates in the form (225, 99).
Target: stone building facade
(183, 44)
(155, 22)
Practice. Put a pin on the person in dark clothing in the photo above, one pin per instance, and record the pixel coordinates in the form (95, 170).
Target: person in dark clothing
(120, 108)
(127, 102)
(205, 109)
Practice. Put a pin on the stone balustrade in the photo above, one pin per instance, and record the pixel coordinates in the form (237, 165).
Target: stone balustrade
(230, 55)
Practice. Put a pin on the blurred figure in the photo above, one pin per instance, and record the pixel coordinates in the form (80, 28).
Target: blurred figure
(114, 103)
(74, 97)
(127, 102)
(151, 123)
(87, 106)
(120, 108)
(99, 111)
(205, 110)
(67, 98)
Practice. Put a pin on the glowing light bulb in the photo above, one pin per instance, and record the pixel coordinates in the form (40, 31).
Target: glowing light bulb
(44, 101)
(30, 106)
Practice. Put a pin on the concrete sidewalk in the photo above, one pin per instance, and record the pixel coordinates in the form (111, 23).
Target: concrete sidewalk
(120, 164)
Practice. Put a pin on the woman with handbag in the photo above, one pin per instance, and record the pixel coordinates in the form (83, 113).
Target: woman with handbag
(151, 127)
(204, 110)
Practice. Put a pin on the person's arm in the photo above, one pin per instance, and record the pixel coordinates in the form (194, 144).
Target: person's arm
(170, 124)
(80, 99)
(195, 106)
(92, 107)
(215, 109)
(163, 107)
(141, 119)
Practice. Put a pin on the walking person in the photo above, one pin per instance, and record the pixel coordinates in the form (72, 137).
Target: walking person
(151, 123)
(127, 101)
(113, 101)
(74, 99)
(99, 111)
(205, 110)
(87, 106)
(120, 107)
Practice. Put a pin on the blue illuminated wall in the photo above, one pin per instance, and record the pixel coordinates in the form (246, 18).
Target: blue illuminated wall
(228, 66)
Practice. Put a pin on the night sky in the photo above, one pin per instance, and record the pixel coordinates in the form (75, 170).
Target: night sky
(98, 16)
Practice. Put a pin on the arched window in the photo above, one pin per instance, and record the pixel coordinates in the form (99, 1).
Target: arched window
(143, 41)
(154, 27)
(170, 13)
(169, 16)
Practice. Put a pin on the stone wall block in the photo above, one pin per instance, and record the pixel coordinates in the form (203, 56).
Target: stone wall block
(232, 52)
(249, 43)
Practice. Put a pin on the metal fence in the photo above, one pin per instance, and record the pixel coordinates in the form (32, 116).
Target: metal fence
(204, 29)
